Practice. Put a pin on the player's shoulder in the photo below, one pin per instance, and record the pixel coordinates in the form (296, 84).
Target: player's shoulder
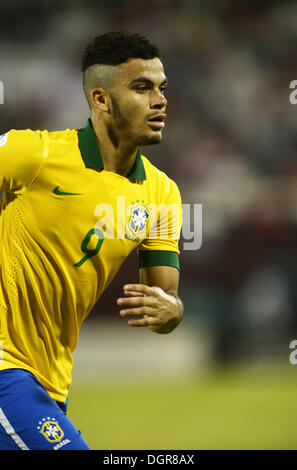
(158, 177)
(34, 143)
(38, 135)
(19, 135)
(22, 140)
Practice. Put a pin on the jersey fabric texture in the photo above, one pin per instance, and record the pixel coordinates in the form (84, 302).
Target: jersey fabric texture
(66, 227)
(30, 419)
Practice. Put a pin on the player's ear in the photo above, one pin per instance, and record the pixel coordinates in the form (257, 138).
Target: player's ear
(99, 99)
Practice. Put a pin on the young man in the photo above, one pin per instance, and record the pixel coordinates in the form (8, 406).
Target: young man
(75, 204)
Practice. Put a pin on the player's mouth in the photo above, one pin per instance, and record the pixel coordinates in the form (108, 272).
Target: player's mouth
(158, 120)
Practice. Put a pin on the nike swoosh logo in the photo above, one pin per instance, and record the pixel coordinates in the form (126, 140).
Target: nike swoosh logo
(63, 193)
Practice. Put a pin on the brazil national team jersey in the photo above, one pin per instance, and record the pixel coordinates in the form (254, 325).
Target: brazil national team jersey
(66, 227)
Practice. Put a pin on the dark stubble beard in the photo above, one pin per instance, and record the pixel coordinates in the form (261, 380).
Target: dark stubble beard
(122, 125)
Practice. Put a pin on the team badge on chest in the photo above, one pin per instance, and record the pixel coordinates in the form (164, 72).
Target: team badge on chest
(139, 216)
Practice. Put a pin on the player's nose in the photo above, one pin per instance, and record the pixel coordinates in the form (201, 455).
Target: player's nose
(159, 102)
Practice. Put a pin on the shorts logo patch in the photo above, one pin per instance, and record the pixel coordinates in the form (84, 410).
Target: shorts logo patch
(50, 429)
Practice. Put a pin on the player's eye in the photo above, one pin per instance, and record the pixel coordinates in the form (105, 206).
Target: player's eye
(142, 89)
(163, 89)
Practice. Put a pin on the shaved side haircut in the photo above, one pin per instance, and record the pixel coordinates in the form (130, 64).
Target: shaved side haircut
(98, 76)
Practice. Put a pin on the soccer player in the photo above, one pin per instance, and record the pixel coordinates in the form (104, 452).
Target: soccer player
(75, 204)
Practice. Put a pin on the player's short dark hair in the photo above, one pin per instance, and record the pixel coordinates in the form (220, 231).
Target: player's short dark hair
(115, 48)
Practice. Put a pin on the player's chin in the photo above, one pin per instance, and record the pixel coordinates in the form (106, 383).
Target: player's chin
(154, 137)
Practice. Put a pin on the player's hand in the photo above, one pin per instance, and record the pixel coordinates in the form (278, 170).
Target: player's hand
(158, 310)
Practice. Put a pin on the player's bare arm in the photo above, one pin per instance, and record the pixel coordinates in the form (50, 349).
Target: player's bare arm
(155, 300)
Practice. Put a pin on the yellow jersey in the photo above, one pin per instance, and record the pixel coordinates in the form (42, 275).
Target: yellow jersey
(66, 227)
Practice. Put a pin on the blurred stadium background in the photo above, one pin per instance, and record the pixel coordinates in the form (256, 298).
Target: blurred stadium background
(223, 379)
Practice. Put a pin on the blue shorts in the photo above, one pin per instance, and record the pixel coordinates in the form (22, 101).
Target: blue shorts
(30, 419)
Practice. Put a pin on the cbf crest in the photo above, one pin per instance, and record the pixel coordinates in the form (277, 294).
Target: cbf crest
(139, 215)
(50, 429)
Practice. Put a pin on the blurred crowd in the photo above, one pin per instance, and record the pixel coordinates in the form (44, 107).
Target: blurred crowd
(230, 142)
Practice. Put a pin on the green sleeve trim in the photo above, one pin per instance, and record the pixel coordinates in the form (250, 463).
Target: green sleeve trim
(158, 258)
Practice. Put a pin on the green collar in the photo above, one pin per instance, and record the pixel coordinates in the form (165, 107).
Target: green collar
(92, 156)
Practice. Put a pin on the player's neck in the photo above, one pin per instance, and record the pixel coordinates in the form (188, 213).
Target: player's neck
(118, 155)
